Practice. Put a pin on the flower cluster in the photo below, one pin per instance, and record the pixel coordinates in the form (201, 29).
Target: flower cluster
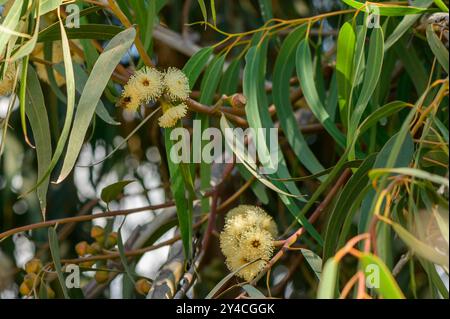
(248, 237)
(101, 241)
(171, 88)
(32, 280)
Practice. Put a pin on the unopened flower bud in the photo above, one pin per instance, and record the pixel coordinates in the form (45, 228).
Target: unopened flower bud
(82, 248)
(33, 266)
(101, 276)
(97, 232)
(111, 241)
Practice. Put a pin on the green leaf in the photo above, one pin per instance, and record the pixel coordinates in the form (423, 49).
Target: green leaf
(388, 288)
(305, 74)
(196, 64)
(413, 64)
(81, 78)
(266, 9)
(258, 117)
(178, 188)
(49, 5)
(37, 116)
(123, 257)
(230, 79)
(403, 157)
(213, 11)
(70, 87)
(92, 92)
(438, 48)
(85, 31)
(414, 172)
(327, 285)
(313, 260)
(344, 67)
(112, 192)
(208, 88)
(380, 113)
(344, 202)
(441, 5)
(386, 9)
(284, 67)
(202, 5)
(371, 76)
(54, 249)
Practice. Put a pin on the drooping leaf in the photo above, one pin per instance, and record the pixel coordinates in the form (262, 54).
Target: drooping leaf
(54, 249)
(92, 92)
(284, 67)
(305, 74)
(327, 283)
(37, 116)
(438, 48)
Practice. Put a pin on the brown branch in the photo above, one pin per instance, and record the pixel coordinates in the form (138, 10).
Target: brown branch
(83, 218)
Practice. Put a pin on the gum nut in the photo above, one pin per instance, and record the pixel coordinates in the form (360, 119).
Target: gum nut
(97, 231)
(29, 280)
(87, 264)
(24, 289)
(33, 266)
(112, 240)
(94, 248)
(101, 276)
(82, 248)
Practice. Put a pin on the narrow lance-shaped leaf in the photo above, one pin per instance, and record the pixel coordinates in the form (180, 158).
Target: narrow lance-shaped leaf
(327, 283)
(208, 88)
(92, 92)
(305, 74)
(385, 283)
(70, 87)
(344, 67)
(385, 9)
(438, 48)
(37, 116)
(177, 186)
(54, 249)
(284, 67)
(371, 76)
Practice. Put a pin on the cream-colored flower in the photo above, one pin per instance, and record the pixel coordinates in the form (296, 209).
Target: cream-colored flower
(248, 235)
(57, 57)
(130, 99)
(171, 116)
(176, 84)
(149, 83)
(255, 216)
(7, 81)
(248, 272)
(256, 243)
